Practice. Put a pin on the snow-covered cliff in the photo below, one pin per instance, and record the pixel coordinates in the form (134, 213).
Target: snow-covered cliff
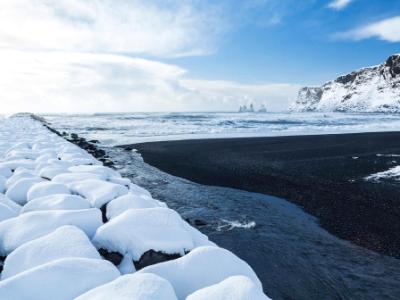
(372, 89)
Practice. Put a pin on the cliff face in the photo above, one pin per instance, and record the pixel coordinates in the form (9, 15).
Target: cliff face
(372, 89)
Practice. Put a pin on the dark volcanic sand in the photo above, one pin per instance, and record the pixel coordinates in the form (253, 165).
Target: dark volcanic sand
(318, 172)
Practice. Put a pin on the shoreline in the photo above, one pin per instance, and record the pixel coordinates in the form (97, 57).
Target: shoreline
(324, 174)
(68, 187)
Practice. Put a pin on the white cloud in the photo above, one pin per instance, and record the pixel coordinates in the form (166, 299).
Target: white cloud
(387, 29)
(339, 4)
(83, 82)
(82, 56)
(169, 28)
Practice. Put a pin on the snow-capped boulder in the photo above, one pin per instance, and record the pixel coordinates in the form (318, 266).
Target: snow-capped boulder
(202, 267)
(54, 162)
(372, 89)
(119, 180)
(66, 241)
(78, 161)
(137, 231)
(6, 212)
(129, 201)
(67, 178)
(45, 156)
(98, 192)
(5, 171)
(133, 188)
(19, 174)
(105, 172)
(19, 190)
(11, 204)
(50, 172)
(62, 279)
(46, 188)
(15, 232)
(3, 181)
(232, 288)
(19, 163)
(148, 235)
(133, 286)
(21, 154)
(56, 202)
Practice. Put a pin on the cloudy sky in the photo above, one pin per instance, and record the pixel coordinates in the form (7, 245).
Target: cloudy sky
(177, 55)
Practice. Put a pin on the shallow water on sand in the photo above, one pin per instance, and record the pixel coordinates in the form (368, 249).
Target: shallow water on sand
(291, 254)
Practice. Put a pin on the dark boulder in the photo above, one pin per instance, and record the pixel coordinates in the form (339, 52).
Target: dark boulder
(114, 257)
(103, 210)
(152, 257)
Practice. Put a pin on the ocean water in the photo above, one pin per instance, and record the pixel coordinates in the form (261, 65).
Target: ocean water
(292, 255)
(127, 128)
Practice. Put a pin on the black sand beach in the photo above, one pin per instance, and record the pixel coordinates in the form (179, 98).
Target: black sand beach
(323, 173)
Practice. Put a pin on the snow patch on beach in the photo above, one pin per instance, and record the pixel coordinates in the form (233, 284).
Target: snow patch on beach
(392, 173)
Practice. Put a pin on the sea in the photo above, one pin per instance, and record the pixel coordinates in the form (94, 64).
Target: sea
(292, 255)
(128, 128)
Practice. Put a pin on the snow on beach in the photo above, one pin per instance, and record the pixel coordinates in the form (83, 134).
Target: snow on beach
(393, 173)
(69, 227)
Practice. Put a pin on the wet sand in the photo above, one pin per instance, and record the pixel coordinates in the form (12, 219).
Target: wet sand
(323, 173)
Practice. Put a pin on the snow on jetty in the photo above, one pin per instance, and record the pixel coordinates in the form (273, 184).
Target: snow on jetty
(72, 228)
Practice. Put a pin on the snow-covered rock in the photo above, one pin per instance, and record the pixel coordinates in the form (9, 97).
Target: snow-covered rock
(139, 190)
(372, 89)
(19, 190)
(56, 202)
(19, 174)
(3, 181)
(66, 241)
(232, 288)
(133, 286)
(98, 192)
(21, 154)
(19, 163)
(6, 212)
(105, 172)
(67, 178)
(50, 172)
(45, 156)
(137, 231)
(11, 204)
(46, 188)
(62, 279)
(5, 171)
(26, 227)
(392, 173)
(129, 201)
(120, 180)
(202, 267)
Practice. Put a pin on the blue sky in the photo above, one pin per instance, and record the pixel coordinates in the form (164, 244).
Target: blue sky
(301, 47)
(183, 55)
